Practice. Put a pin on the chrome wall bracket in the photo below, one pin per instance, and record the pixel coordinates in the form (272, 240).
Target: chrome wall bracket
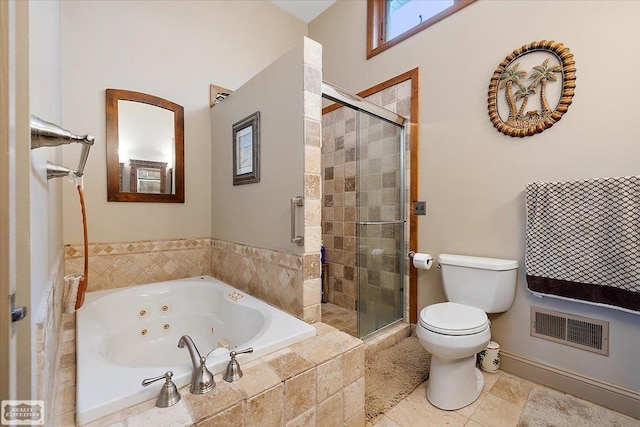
(45, 134)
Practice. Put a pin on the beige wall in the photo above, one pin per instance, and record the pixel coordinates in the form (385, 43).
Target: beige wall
(171, 49)
(258, 214)
(472, 176)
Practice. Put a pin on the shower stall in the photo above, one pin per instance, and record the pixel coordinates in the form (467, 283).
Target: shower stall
(364, 223)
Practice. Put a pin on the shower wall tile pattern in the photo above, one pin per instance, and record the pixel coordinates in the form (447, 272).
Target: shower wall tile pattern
(378, 197)
(273, 276)
(339, 204)
(121, 264)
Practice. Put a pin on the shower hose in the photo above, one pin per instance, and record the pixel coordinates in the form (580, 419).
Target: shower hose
(82, 287)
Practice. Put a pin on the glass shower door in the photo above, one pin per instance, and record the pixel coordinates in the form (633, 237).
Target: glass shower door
(380, 222)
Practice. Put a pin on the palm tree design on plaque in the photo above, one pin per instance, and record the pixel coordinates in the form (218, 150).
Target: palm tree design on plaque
(523, 93)
(508, 78)
(540, 76)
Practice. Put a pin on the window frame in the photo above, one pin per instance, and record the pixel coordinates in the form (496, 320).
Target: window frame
(377, 21)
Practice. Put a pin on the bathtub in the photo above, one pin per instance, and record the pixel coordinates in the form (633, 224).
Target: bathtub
(126, 335)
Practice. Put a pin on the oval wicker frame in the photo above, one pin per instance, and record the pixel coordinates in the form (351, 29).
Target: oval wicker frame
(568, 86)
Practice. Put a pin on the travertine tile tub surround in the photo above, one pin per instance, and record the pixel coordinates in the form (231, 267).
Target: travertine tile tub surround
(288, 281)
(120, 264)
(276, 277)
(316, 382)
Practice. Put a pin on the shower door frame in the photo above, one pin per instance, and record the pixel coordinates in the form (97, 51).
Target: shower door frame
(358, 104)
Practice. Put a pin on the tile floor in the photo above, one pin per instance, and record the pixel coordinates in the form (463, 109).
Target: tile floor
(340, 318)
(500, 405)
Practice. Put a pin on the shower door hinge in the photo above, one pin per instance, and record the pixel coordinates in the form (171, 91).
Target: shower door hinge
(17, 313)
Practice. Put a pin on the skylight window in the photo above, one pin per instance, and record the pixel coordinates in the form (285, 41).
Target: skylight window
(391, 21)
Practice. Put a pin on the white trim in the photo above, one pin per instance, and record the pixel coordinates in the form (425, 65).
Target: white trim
(611, 396)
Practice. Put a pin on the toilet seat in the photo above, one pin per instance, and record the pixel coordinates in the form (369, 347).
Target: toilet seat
(450, 318)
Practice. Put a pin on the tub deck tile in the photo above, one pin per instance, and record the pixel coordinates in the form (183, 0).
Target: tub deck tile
(233, 416)
(330, 411)
(300, 394)
(318, 381)
(288, 364)
(353, 399)
(175, 415)
(258, 377)
(266, 409)
(353, 365)
(323, 328)
(305, 420)
(221, 398)
(330, 378)
(321, 348)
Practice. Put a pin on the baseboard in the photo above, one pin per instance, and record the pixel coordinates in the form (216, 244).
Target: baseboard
(619, 399)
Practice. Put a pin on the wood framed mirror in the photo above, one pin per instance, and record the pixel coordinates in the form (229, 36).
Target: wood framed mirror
(145, 148)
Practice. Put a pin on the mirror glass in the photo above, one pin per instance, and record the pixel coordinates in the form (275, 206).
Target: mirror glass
(145, 148)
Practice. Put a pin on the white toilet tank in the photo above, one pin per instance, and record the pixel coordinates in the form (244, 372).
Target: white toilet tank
(486, 283)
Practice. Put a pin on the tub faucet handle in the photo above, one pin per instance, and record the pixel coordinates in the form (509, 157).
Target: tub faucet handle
(169, 394)
(233, 372)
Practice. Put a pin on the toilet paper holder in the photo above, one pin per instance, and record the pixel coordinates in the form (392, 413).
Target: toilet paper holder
(419, 263)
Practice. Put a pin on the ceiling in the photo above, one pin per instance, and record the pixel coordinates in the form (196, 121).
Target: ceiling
(305, 10)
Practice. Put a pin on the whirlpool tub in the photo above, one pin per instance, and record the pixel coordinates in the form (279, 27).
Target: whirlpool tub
(126, 335)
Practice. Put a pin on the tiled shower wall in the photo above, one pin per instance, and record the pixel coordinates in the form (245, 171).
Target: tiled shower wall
(340, 184)
(339, 204)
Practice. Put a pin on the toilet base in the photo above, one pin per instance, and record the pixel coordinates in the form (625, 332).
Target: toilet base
(454, 384)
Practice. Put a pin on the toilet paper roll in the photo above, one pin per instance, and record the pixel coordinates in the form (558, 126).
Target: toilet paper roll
(423, 261)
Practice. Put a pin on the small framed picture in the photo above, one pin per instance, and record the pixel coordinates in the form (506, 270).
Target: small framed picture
(246, 150)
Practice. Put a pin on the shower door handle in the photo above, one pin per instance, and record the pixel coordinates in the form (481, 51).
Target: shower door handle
(296, 201)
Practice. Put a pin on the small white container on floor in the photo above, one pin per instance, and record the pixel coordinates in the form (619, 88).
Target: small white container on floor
(490, 357)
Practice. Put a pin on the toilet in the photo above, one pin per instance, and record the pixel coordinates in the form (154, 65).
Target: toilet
(454, 331)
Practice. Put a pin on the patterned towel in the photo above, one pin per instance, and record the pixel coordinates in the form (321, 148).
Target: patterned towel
(583, 240)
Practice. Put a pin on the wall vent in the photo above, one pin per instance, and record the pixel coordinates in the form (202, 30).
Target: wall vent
(569, 329)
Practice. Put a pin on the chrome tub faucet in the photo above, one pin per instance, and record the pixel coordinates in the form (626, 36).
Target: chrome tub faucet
(202, 380)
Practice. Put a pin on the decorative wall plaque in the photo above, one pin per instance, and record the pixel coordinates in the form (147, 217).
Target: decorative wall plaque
(532, 88)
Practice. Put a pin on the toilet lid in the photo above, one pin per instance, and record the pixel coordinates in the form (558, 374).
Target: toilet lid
(450, 318)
